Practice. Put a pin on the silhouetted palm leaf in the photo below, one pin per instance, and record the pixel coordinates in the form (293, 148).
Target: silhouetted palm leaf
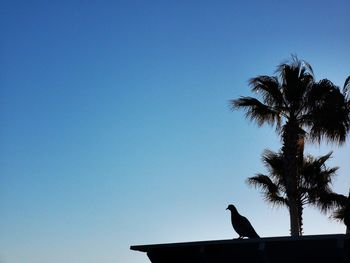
(269, 89)
(256, 110)
(346, 88)
(270, 190)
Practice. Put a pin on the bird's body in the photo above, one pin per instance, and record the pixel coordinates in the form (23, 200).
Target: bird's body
(241, 224)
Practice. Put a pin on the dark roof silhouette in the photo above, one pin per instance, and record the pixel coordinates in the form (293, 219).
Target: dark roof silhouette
(303, 249)
(241, 224)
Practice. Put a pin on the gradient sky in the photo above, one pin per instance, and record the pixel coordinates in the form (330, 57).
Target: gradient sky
(116, 129)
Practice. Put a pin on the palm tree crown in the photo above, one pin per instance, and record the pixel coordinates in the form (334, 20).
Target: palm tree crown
(294, 95)
(313, 182)
(300, 108)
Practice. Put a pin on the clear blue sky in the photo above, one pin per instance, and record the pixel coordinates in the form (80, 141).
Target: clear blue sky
(115, 125)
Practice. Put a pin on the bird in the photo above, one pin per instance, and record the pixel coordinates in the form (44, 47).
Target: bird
(241, 224)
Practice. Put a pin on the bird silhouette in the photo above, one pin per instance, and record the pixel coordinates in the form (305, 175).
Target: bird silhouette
(241, 224)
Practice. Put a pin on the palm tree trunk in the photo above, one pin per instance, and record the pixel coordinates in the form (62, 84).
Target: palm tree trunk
(294, 218)
(300, 206)
(300, 161)
(290, 152)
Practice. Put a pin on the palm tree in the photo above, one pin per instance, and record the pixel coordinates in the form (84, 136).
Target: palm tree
(300, 108)
(342, 204)
(313, 181)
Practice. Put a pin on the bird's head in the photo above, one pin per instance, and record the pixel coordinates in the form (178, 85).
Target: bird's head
(231, 208)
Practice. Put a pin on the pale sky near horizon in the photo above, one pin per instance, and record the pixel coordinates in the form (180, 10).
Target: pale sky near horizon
(116, 129)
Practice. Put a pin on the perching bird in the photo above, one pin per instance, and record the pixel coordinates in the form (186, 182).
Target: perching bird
(241, 224)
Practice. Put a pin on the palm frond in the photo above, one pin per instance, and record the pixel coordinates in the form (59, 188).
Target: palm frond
(339, 214)
(274, 164)
(346, 87)
(308, 68)
(270, 190)
(321, 160)
(275, 199)
(264, 182)
(256, 110)
(330, 200)
(268, 87)
(315, 173)
(342, 212)
(328, 113)
(296, 77)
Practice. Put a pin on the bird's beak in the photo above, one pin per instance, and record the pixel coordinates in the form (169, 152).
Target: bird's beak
(227, 208)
